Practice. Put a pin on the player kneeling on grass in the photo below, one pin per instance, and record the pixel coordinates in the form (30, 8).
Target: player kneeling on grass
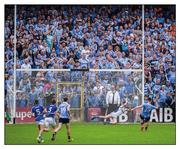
(146, 113)
(50, 115)
(38, 112)
(113, 115)
(64, 118)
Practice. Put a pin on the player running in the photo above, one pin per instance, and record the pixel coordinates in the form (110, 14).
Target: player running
(64, 118)
(50, 115)
(146, 113)
(38, 112)
(113, 115)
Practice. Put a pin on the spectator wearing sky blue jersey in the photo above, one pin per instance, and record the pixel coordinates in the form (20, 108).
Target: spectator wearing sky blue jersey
(24, 101)
(31, 97)
(75, 100)
(93, 100)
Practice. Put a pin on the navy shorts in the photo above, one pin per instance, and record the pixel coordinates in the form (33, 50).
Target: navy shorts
(145, 119)
(64, 120)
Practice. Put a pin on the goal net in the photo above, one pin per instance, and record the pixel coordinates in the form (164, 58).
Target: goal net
(86, 91)
(75, 93)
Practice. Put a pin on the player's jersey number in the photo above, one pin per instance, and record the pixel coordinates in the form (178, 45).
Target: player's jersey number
(49, 109)
(38, 112)
(63, 110)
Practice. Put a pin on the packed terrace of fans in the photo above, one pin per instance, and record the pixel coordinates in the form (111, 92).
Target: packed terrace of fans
(96, 37)
(160, 54)
(99, 37)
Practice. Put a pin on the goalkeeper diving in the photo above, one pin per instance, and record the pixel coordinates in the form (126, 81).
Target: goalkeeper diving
(113, 115)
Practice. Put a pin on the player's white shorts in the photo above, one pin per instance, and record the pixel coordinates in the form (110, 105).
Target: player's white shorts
(41, 122)
(117, 113)
(50, 121)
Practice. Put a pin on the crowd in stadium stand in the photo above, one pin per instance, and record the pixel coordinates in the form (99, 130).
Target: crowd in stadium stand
(160, 54)
(9, 55)
(99, 37)
(39, 85)
(94, 37)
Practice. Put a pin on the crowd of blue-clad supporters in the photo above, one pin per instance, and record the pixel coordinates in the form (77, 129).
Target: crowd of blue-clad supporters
(101, 37)
(94, 37)
(160, 54)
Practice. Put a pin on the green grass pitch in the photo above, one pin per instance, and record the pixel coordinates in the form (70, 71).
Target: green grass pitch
(95, 133)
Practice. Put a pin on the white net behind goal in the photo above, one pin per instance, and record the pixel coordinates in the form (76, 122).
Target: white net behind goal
(85, 90)
(74, 91)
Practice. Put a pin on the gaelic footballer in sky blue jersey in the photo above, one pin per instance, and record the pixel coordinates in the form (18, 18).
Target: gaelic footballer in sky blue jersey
(64, 118)
(146, 109)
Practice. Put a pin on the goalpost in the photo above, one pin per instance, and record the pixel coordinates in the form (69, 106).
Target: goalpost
(78, 110)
